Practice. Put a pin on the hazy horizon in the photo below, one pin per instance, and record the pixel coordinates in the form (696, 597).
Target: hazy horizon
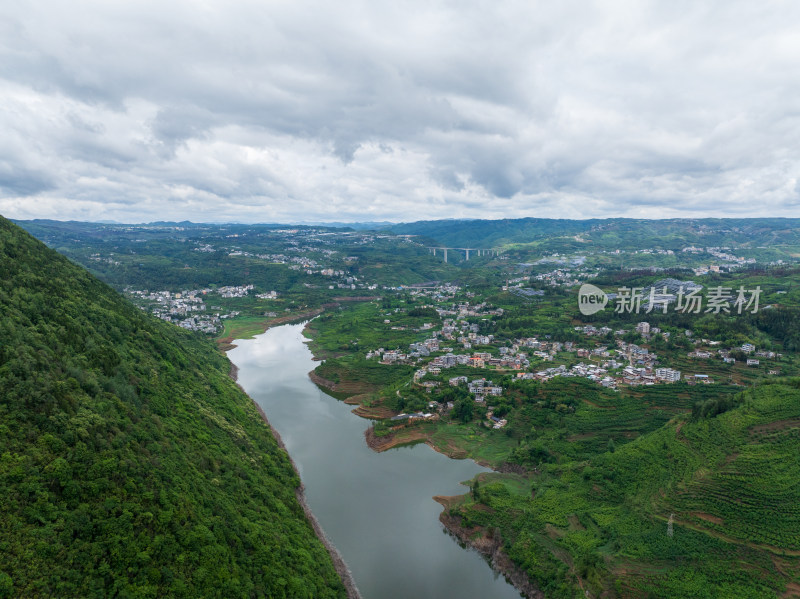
(391, 223)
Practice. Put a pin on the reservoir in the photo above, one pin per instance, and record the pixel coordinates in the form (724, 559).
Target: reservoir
(376, 508)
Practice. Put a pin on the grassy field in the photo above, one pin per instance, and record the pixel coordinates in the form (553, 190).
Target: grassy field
(485, 446)
(244, 327)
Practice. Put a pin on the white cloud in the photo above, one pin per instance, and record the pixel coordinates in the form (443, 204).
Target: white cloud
(257, 111)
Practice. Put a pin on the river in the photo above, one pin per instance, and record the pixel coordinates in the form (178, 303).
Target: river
(377, 509)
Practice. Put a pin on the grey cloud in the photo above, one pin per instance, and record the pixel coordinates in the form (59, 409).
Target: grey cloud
(142, 110)
(17, 181)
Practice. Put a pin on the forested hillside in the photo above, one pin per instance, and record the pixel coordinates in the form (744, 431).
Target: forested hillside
(130, 464)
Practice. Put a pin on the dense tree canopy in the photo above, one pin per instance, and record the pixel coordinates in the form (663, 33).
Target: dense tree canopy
(130, 464)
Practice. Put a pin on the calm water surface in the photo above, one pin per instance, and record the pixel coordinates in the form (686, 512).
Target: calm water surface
(376, 508)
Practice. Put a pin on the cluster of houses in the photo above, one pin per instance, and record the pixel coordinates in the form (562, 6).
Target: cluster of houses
(649, 376)
(480, 388)
(599, 373)
(462, 310)
(457, 330)
(413, 416)
(570, 271)
(721, 254)
(562, 277)
(206, 324)
(188, 308)
(437, 292)
(173, 303)
(235, 290)
(630, 363)
(304, 262)
(643, 328)
(417, 351)
(109, 260)
(725, 354)
(626, 364)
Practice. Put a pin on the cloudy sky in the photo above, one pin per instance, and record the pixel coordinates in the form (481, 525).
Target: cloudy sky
(278, 111)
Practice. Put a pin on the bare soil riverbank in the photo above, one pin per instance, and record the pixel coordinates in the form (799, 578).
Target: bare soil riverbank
(338, 563)
(386, 442)
(490, 547)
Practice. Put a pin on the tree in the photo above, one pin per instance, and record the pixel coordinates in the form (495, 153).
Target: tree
(476, 490)
(463, 410)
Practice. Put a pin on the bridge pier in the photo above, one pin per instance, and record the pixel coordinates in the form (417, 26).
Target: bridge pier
(467, 252)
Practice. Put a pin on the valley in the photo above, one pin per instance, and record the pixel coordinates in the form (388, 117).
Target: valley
(641, 450)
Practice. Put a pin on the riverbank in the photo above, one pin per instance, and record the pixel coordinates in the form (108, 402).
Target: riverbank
(386, 442)
(488, 545)
(338, 562)
(226, 344)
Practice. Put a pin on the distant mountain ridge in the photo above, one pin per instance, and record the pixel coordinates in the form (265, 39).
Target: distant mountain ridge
(667, 233)
(496, 233)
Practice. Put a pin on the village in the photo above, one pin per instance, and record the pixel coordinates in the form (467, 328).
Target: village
(460, 343)
(309, 251)
(189, 310)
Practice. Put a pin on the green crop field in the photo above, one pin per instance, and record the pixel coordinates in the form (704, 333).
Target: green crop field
(729, 482)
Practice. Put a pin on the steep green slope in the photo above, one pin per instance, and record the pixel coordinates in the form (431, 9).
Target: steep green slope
(730, 484)
(130, 464)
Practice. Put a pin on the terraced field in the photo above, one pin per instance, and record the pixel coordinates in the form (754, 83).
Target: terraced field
(729, 483)
(752, 495)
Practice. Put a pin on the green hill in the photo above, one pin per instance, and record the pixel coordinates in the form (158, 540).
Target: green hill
(611, 234)
(131, 465)
(728, 482)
